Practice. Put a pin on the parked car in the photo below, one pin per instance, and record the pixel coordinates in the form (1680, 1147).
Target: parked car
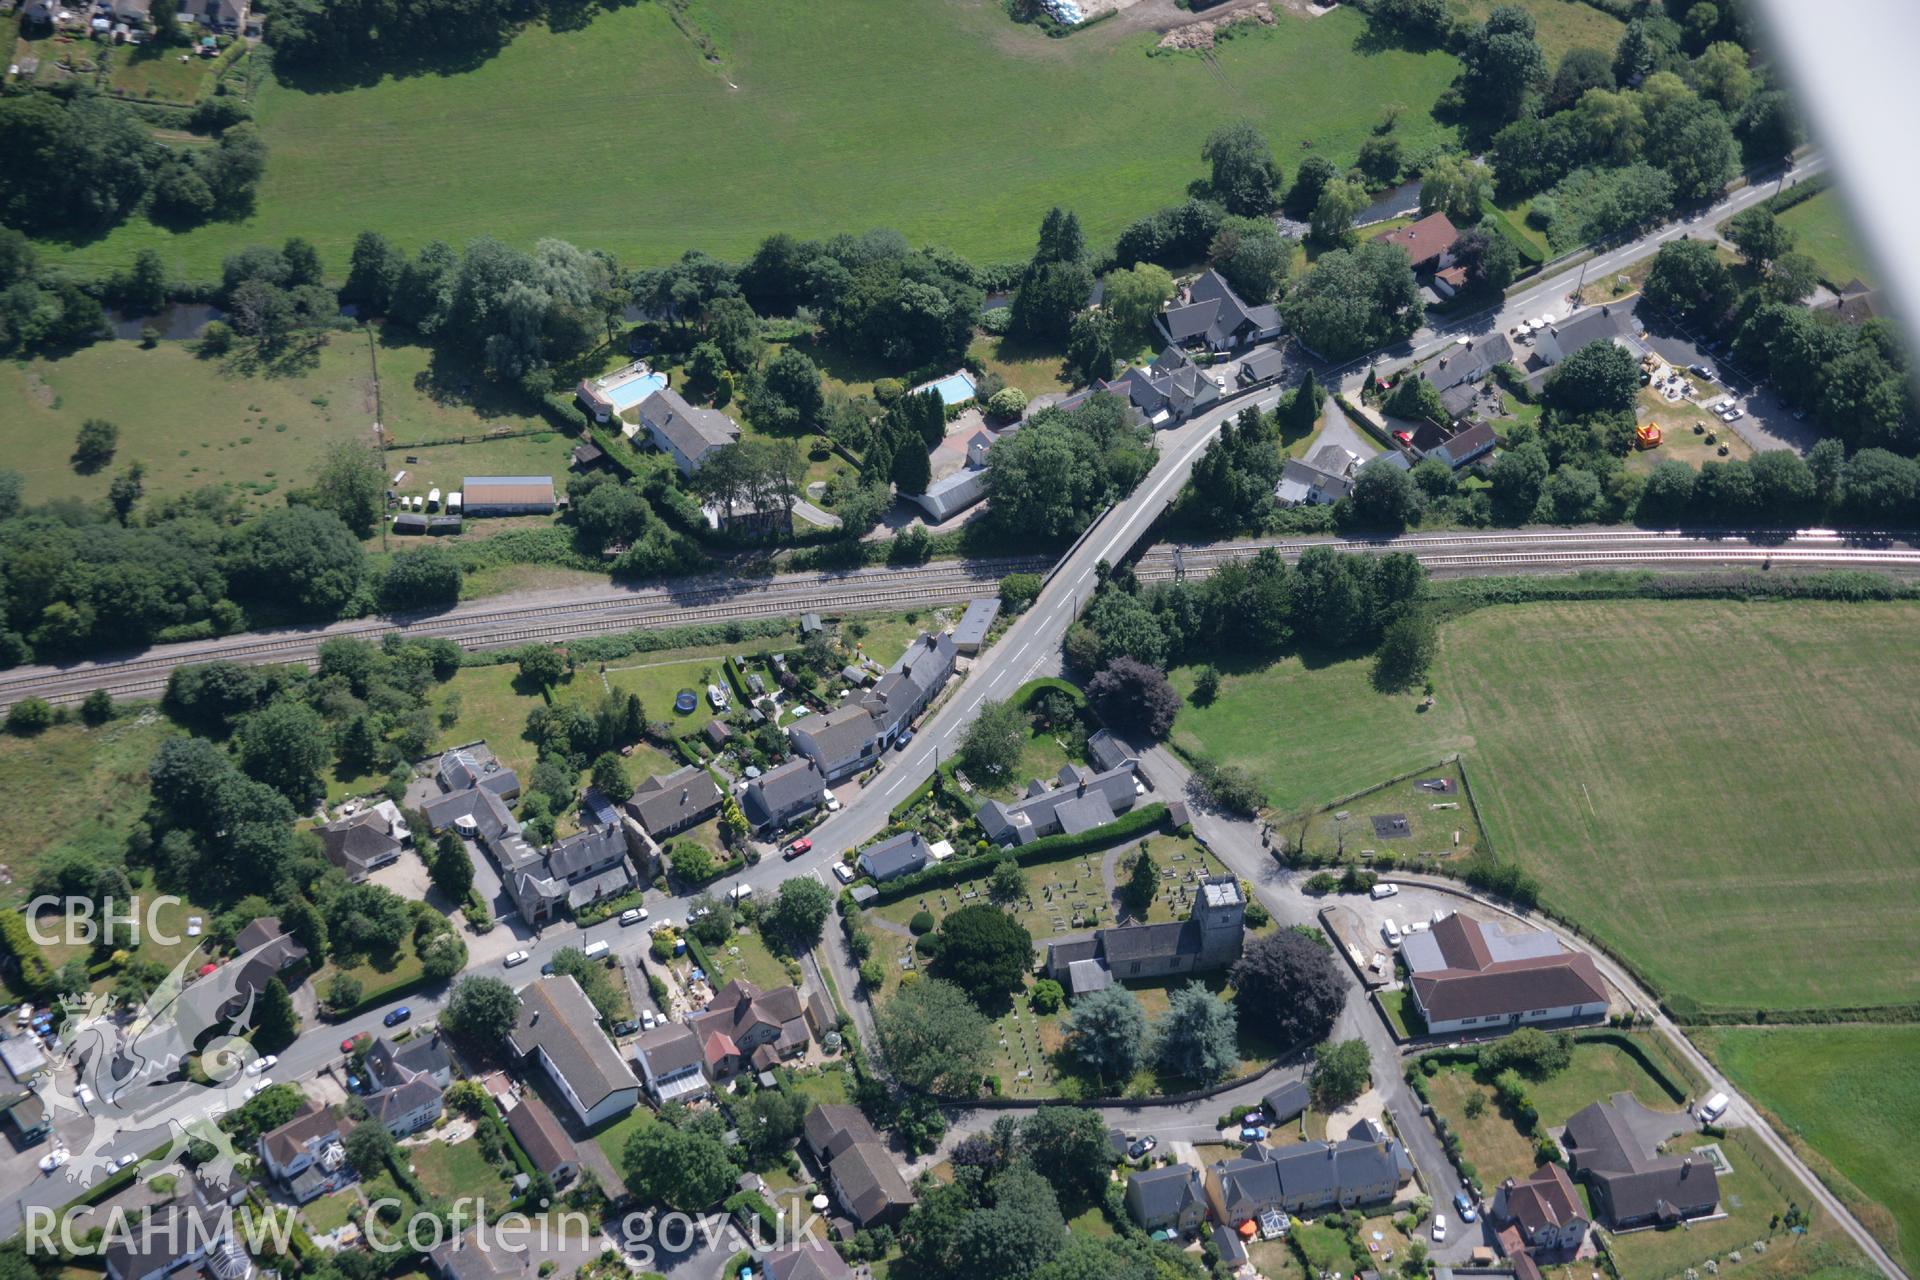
(1404, 437)
(1465, 1206)
(632, 915)
(739, 893)
(843, 872)
(1391, 932)
(517, 958)
(799, 847)
(260, 1065)
(54, 1159)
(397, 1016)
(1141, 1146)
(1439, 1228)
(260, 1086)
(1253, 1133)
(906, 736)
(832, 801)
(649, 1019)
(1380, 891)
(346, 1046)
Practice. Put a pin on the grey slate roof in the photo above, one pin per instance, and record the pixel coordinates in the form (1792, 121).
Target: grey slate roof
(541, 1134)
(694, 432)
(971, 633)
(1157, 1195)
(358, 844)
(812, 1261)
(1263, 365)
(670, 802)
(832, 1127)
(1286, 1102)
(841, 732)
(1595, 324)
(1218, 314)
(667, 1049)
(1309, 1170)
(1109, 750)
(1043, 812)
(778, 793)
(557, 1018)
(895, 856)
(1639, 1183)
(870, 1182)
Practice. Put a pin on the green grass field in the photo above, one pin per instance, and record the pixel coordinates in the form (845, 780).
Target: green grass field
(453, 1171)
(1561, 25)
(1823, 233)
(100, 777)
(193, 422)
(1701, 785)
(938, 117)
(1854, 1094)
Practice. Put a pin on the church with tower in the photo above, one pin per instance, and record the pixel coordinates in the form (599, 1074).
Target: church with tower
(1208, 939)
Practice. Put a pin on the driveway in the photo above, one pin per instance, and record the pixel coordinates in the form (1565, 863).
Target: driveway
(1337, 428)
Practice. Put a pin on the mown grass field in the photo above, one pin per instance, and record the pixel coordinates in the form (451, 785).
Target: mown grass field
(1707, 787)
(1560, 25)
(939, 117)
(1854, 1094)
(1823, 233)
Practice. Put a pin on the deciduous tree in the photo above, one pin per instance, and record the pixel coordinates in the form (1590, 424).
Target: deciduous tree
(1289, 987)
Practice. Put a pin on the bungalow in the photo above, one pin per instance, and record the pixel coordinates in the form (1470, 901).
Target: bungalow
(669, 803)
(689, 435)
(896, 856)
(540, 1135)
(1630, 1186)
(508, 495)
(305, 1155)
(1467, 974)
(1172, 1198)
(1596, 324)
(858, 1168)
(1466, 447)
(366, 841)
(1472, 364)
(1428, 243)
(672, 1065)
(559, 1027)
(1213, 315)
(1079, 800)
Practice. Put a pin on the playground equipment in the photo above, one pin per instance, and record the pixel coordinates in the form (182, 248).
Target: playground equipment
(1647, 436)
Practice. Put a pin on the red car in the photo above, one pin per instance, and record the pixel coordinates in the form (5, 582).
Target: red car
(346, 1046)
(1404, 437)
(798, 847)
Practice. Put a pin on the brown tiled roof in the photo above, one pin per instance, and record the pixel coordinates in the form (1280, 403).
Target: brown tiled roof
(1428, 238)
(539, 1131)
(290, 1139)
(1547, 1199)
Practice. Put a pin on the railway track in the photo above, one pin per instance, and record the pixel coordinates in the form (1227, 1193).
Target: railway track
(685, 604)
(1562, 550)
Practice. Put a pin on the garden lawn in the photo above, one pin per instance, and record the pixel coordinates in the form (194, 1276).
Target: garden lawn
(872, 113)
(747, 956)
(192, 422)
(1734, 774)
(493, 709)
(1035, 370)
(429, 395)
(824, 1086)
(1822, 232)
(1489, 1141)
(330, 1213)
(1853, 1093)
(100, 777)
(456, 1170)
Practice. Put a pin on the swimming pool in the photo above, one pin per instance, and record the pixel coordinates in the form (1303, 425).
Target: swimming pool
(955, 387)
(625, 395)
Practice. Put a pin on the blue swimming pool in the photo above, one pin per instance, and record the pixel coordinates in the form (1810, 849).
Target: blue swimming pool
(955, 388)
(629, 394)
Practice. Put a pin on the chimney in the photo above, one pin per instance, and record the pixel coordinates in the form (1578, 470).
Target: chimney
(534, 1021)
(1507, 1185)
(1686, 1165)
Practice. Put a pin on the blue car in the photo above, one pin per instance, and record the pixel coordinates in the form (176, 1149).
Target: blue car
(1253, 1133)
(686, 701)
(1464, 1205)
(398, 1016)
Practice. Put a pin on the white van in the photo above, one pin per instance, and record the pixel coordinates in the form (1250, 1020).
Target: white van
(594, 950)
(1391, 932)
(1384, 891)
(1713, 1108)
(740, 893)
